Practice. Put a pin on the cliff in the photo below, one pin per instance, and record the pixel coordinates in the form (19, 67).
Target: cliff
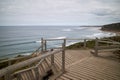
(111, 27)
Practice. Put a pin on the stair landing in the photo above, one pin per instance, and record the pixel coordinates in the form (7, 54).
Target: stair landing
(88, 67)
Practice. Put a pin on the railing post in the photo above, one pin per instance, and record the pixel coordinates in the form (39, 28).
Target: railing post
(96, 47)
(42, 44)
(45, 45)
(84, 43)
(52, 59)
(63, 56)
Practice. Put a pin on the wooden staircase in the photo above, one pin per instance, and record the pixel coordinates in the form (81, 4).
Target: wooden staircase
(80, 65)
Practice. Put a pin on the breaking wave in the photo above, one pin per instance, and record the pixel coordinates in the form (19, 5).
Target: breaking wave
(17, 43)
(67, 30)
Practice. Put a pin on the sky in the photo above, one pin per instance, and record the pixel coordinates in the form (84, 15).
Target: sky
(59, 12)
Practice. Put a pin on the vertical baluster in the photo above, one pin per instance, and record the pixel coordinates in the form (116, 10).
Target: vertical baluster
(84, 43)
(42, 44)
(52, 59)
(63, 56)
(45, 45)
(96, 47)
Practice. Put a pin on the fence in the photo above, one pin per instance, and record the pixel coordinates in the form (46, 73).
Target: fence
(48, 60)
(44, 57)
(44, 47)
(105, 45)
(10, 61)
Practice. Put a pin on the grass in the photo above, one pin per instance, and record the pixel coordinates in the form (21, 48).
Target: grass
(91, 43)
(5, 64)
(80, 45)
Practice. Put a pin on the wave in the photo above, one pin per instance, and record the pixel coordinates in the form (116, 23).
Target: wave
(99, 35)
(79, 28)
(38, 41)
(103, 35)
(18, 44)
(71, 43)
(60, 37)
(67, 30)
(17, 53)
(63, 37)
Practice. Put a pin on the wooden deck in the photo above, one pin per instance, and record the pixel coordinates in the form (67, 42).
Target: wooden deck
(81, 65)
(76, 65)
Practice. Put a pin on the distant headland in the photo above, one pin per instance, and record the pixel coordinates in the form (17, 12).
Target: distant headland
(111, 27)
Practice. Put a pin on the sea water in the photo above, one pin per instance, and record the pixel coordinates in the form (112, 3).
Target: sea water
(17, 40)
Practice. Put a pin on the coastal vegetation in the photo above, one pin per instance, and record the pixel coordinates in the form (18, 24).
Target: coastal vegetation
(80, 45)
(9, 61)
(90, 43)
(111, 27)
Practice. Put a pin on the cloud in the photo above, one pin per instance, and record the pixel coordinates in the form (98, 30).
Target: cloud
(58, 11)
(102, 12)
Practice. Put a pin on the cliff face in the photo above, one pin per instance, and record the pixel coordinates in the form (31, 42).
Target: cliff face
(111, 27)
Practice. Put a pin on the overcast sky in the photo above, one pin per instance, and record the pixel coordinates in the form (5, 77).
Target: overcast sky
(59, 12)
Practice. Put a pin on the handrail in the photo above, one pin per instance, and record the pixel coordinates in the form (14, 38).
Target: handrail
(77, 39)
(30, 67)
(10, 69)
(114, 45)
(11, 59)
(17, 58)
(113, 42)
(37, 49)
(14, 67)
(50, 39)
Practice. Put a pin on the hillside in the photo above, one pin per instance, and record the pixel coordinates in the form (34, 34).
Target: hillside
(111, 27)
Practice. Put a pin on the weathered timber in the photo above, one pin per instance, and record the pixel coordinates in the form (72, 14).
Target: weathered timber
(14, 67)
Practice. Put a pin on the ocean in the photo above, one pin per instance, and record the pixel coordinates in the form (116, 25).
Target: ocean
(17, 40)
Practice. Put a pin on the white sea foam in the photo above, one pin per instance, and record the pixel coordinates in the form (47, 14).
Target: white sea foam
(95, 35)
(79, 28)
(70, 43)
(67, 30)
(38, 41)
(63, 37)
(99, 35)
(26, 54)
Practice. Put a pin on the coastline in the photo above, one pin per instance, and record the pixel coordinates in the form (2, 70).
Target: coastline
(116, 32)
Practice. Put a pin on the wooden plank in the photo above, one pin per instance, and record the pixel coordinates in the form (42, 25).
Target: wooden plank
(14, 67)
(12, 59)
(109, 42)
(107, 50)
(108, 47)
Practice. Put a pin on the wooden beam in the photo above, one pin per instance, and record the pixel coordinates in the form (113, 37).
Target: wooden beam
(96, 47)
(14, 67)
(63, 56)
(84, 43)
